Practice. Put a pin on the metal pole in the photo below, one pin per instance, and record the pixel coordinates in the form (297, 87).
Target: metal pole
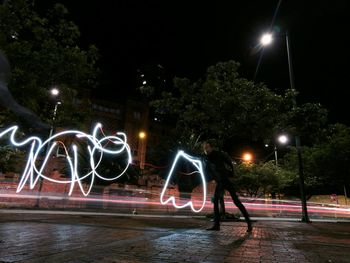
(305, 217)
(52, 126)
(47, 150)
(142, 161)
(275, 149)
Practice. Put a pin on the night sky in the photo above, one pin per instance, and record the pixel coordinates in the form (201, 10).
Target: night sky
(186, 37)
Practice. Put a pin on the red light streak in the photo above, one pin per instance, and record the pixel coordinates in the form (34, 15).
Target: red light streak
(143, 201)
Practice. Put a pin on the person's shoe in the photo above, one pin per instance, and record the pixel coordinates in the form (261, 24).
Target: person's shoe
(250, 228)
(214, 228)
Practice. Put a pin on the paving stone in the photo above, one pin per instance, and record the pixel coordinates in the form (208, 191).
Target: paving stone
(79, 239)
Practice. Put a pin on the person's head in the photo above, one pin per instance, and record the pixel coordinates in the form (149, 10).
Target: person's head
(208, 146)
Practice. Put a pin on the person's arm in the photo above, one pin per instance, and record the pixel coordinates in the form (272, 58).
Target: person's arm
(227, 160)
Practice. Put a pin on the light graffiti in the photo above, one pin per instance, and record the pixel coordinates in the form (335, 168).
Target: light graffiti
(198, 165)
(96, 147)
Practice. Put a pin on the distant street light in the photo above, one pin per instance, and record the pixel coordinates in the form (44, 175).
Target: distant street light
(283, 139)
(54, 92)
(142, 135)
(266, 40)
(142, 149)
(247, 157)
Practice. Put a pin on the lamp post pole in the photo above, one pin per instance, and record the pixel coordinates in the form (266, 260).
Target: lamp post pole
(266, 40)
(52, 124)
(282, 139)
(305, 217)
(275, 150)
(54, 92)
(142, 150)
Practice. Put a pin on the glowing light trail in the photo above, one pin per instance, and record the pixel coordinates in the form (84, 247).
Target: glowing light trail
(197, 164)
(97, 147)
(151, 204)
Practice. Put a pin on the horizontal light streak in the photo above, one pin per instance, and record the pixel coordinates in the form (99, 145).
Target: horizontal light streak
(153, 202)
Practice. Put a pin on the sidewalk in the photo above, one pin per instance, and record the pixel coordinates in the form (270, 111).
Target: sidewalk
(95, 238)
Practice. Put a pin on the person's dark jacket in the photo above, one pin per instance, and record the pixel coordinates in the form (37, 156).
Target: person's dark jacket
(220, 165)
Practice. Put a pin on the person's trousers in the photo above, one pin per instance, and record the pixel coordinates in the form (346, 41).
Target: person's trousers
(227, 185)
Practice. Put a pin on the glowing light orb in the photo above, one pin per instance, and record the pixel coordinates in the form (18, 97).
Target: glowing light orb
(266, 39)
(247, 157)
(54, 92)
(142, 135)
(198, 165)
(283, 139)
(96, 148)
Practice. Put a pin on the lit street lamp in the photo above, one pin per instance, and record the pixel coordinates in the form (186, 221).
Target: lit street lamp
(266, 40)
(142, 135)
(142, 149)
(283, 139)
(247, 157)
(54, 92)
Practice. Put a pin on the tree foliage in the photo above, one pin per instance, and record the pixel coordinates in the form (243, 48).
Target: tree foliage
(224, 105)
(326, 164)
(307, 120)
(263, 178)
(10, 158)
(43, 52)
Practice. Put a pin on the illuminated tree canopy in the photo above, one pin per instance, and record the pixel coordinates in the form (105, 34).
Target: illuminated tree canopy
(224, 105)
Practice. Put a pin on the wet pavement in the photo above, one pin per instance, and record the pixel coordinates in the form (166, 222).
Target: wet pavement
(104, 238)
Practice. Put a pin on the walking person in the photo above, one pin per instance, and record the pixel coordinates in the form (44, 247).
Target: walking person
(221, 167)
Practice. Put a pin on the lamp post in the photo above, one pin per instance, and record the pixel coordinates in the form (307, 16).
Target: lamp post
(53, 122)
(247, 157)
(282, 139)
(54, 92)
(142, 149)
(266, 40)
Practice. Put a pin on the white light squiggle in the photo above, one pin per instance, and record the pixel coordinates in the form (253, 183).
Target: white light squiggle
(198, 164)
(95, 147)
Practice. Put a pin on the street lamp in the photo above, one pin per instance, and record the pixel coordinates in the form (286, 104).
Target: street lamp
(142, 135)
(282, 139)
(54, 92)
(266, 40)
(247, 157)
(142, 149)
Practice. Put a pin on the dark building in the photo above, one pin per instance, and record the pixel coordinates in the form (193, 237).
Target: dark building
(130, 117)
